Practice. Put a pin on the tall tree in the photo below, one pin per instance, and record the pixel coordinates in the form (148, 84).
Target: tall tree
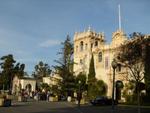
(91, 74)
(19, 70)
(7, 66)
(64, 66)
(146, 46)
(132, 55)
(9, 70)
(92, 81)
(42, 70)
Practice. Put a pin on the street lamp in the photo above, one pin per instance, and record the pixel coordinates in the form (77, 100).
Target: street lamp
(79, 94)
(114, 66)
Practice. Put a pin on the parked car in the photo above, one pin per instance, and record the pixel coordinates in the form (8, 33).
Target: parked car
(102, 101)
(62, 98)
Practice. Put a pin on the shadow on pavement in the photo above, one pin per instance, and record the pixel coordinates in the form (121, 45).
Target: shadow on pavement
(94, 109)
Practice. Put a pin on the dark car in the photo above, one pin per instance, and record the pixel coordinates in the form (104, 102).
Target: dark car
(102, 101)
(62, 98)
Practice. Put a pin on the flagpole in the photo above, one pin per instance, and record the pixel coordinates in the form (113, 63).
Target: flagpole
(119, 17)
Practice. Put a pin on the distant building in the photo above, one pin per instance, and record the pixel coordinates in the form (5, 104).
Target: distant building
(26, 83)
(29, 84)
(54, 79)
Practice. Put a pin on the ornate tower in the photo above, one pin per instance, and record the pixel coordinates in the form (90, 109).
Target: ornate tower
(85, 43)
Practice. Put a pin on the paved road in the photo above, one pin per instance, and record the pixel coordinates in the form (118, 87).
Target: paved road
(65, 107)
(40, 107)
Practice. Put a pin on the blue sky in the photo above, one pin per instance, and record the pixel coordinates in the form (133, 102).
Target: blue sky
(32, 30)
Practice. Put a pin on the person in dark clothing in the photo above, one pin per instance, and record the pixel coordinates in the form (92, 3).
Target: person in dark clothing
(79, 97)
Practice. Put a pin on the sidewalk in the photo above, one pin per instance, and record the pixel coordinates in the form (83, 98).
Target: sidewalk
(134, 106)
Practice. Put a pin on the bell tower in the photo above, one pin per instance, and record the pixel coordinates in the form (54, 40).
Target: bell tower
(84, 45)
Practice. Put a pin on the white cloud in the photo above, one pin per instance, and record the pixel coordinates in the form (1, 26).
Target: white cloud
(49, 43)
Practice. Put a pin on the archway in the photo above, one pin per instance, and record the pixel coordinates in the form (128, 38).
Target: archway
(20, 87)
(81, 46)
(119, 86)
(15, 89)
(28, 88)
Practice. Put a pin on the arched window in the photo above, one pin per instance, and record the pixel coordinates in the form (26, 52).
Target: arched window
(91, 45)
(81, 61)
(86, 46)
(100, 56)
(76, 48)
(118, 68)
(28, 87)
(96, 43)
(81, 46)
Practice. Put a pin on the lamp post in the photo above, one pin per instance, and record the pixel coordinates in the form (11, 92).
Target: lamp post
(79, 94)
(114, 66)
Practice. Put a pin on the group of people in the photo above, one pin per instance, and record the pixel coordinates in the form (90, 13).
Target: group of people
(44, 95)
(37, 95)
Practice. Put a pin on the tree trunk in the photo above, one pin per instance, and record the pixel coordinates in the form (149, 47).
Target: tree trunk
(138, 98)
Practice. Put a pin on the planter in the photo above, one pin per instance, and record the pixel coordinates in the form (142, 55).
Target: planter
(1, 101)
(53, 99)
(69, 99)
(81, 102)
(5, 102)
